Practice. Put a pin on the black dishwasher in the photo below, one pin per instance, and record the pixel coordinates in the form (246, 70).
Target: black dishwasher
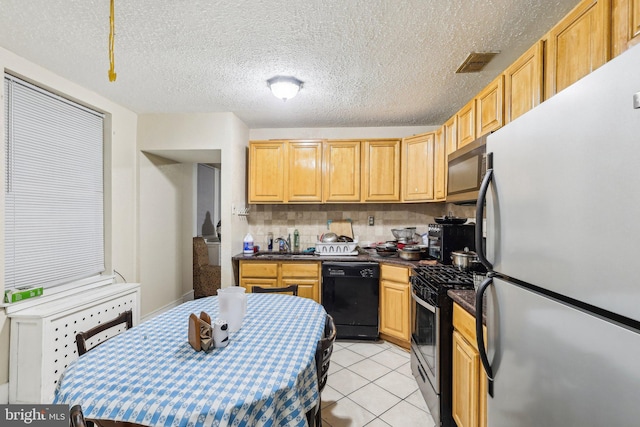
(351, 295)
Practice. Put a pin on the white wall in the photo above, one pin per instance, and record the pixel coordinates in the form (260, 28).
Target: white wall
(163, 189)
(339, 133)
(120, 177)
(207, 201)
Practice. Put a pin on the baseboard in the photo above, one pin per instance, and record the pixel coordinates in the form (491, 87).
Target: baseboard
(4, 394)
(186, 297)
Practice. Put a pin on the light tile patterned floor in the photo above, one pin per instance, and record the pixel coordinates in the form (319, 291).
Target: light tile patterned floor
(370, 384)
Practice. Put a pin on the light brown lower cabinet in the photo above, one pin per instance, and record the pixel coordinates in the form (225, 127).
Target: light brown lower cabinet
(469, 404)
(282, 273)
(395, 308)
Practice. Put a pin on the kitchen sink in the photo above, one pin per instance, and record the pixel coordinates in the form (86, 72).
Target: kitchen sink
(302, 256)
(292, 255)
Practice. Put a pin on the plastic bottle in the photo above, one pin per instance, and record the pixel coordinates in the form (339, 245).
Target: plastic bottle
(296, 241)
(248, 244)
(270, 241)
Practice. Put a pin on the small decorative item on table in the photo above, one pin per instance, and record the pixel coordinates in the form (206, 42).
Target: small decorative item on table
(220, 333)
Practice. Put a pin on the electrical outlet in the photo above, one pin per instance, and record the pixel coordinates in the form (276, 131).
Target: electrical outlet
(371, 221)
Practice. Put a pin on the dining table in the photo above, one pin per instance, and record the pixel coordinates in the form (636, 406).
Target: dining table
(150, 374)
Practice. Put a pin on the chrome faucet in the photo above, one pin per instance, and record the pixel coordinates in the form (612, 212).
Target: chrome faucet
(285, 243)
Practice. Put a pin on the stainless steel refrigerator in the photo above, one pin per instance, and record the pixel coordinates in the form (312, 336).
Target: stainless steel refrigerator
(562, 211)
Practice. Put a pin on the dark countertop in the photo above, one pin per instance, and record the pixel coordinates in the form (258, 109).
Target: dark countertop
(362, 257)
(467, 300)
(277, 256)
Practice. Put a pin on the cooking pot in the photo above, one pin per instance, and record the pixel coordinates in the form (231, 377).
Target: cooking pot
(385, 251)
(409, 253)
(388, 245)
(463, 259)
(329, 237)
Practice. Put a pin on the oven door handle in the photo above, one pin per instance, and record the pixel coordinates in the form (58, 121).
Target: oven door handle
(480, 331)
(423, 302)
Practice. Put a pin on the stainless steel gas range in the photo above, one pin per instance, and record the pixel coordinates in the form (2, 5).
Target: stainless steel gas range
(431, 335)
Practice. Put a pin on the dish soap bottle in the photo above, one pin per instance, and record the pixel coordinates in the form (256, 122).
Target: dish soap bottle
(247, 247)
(296, 240)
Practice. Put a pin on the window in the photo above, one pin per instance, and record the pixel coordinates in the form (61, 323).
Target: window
(54, 219)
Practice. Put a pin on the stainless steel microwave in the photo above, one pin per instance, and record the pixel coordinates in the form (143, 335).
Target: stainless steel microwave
(467, 167)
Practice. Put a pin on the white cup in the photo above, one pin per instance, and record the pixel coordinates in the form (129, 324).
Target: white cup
(233, 306)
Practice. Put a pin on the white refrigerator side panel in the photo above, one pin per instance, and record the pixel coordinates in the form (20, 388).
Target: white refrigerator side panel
(557, 366)
(563, 209)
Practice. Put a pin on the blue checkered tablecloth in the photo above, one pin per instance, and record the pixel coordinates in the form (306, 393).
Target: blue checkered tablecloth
(150, 374)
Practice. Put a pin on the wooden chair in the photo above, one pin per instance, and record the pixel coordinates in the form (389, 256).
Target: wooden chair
(323, 359)
(260, 290)
(83, 337)
(76, 418)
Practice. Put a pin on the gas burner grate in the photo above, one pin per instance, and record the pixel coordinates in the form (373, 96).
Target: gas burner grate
(444, 276)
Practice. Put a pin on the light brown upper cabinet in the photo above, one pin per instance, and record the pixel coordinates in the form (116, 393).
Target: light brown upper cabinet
(466, 121)
(489, 112)
(381, 171)
(285, 171)
(577, 45)
(305, 171)
(634, 20)
(267, 164)
(449, 132)
(523, 83)
(439, 166)
(625, 25)
(418, 167)
(341, 171)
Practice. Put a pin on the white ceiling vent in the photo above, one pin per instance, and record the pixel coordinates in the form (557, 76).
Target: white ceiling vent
(476, 61)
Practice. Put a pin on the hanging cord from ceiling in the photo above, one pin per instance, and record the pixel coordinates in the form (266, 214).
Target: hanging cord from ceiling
(112, 72)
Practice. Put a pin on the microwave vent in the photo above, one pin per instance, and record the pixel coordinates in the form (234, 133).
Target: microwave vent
(475, 62)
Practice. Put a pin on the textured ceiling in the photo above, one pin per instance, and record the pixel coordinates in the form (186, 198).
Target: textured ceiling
(364, 62)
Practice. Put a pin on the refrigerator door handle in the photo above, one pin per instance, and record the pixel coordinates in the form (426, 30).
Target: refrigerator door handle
(480, 331)
(482, 194)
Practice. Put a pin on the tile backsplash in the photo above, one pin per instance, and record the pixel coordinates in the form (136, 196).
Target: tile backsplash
(311, 220)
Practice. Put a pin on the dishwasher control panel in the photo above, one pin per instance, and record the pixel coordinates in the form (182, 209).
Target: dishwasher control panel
(351, 269)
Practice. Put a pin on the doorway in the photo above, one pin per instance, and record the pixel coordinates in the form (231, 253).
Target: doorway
(208, 208)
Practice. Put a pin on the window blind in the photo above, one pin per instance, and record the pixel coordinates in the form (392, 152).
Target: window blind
(54, 218)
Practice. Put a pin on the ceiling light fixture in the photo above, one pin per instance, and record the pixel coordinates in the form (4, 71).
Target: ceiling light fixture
(284, 87)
